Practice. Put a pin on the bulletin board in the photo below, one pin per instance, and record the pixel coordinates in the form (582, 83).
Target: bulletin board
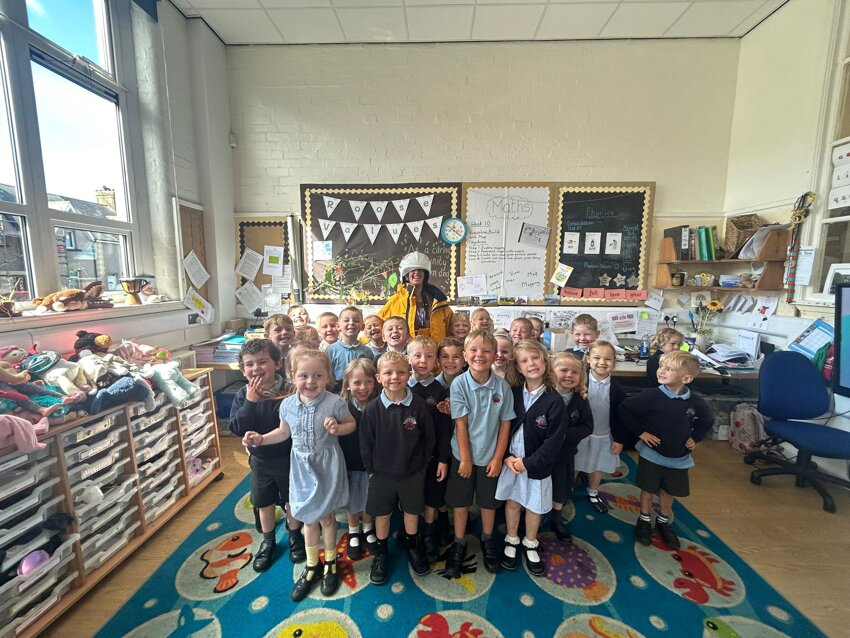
(256, 233)
(602, 231)
(355, 236)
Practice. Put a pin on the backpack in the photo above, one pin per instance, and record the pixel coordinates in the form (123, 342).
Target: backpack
(746, 428)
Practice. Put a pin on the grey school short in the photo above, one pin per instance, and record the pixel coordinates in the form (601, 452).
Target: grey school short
(358, 490)
(652, 477)
(269, 480)
(385, 489)
(460, 491)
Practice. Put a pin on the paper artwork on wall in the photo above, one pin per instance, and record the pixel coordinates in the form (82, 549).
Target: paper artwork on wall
(612, 243)
(415, 228)
(357, 208)
(435, 224)
(372, 231)
(401, 206)
(330, 204)
(347, 229)
(571, 243)
(379, 209)
(395, 231)
(425, 202)
(326, 227)
(591, 243)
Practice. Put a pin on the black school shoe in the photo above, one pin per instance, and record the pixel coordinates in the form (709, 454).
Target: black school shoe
(444, 533)
(265, 556)
(380, 569)
(643, 532)
(508, 561)
(330, 580)
(491, 555)
(559, 526)
(535, 567)
(416, 555)
(306, 581)
(354, 551)
(665, 530)
(297, 551)
(429, 537)
(454, 560)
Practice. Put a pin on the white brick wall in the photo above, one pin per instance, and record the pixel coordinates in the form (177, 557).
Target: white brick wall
(601, 111)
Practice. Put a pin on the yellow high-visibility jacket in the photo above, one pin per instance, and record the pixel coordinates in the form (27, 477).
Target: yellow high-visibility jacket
(403, 304)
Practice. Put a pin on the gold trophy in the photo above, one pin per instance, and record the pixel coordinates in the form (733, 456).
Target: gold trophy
(133, 286)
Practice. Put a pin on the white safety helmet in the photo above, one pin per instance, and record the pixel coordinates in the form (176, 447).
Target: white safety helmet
(414, 261)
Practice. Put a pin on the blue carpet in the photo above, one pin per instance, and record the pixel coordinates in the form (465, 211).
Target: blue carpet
(604, 585)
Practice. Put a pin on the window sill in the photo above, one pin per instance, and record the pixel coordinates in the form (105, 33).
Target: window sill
(85, 316)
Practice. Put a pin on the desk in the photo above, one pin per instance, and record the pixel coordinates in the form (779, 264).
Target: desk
(632, 369)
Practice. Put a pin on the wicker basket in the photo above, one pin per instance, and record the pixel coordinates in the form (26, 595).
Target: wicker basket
(739, 230)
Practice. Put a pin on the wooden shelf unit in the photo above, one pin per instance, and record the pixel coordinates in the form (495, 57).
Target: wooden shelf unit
(117, 429)
(773, 255)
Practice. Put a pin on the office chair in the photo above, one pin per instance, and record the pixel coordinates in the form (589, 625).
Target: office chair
(791, 388)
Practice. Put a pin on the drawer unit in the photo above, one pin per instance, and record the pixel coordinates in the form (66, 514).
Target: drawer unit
(157, 496)
(80, 434)
(63, 555)
(162, 444)
(206, 470)
(148, 468)
(196, 423)
(168, 473)
(196, 403)
(17, 627)
(92, 449)
(199, 448)
(12, 606)
(148, 438)
(36, 496)
(154, 513)
(18, 480)
(146, 422)
(48, 508)
(122, 490)
(113, 530)
(16, 460)
(94, 470)
(111, 549)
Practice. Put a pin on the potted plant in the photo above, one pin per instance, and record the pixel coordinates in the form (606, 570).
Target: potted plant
(7, 300)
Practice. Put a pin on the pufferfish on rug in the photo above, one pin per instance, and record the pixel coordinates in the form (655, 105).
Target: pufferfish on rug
(572, 567)
(226, 559)
(321, 629)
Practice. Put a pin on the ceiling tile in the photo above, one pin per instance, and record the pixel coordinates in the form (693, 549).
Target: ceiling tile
(711, 19)
(643, 19)
(242, 26)
(757, 16)
(225, 4)
(293, 4)
(480, 2)
(366, 3)
(574, 21)
(413, 3)
(496, 22)
(186, 8)
(307, 25)
(373, 25)
(439, 24)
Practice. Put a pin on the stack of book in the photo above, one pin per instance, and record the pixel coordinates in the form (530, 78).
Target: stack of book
(700, 243)
(223, 349)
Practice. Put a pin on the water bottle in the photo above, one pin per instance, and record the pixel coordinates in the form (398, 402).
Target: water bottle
(644, 347)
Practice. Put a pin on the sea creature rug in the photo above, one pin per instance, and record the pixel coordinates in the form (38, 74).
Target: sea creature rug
(603, 585)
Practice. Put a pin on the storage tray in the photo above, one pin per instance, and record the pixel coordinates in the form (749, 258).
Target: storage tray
(197, 478)
(120, 492)
(37, 496)
(139, 409)
(196, 423)
(78, 475)
(18, 585)
(49, 507)
(157, 496)
(160, 446)
(198, 404)
(82, 453)
(18, 480)
(101, 557)
(17, 627)
(15, 459)
(150, 437)
(80, 434)
(149, 468)
(12, 559)
(95, 544)
(153, 514)
(151, 484)
(12, 606)
(145, 422)
(96, 523)
(199, 448)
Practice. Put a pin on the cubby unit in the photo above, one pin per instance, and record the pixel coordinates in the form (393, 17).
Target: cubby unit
(772, 255)
(121, 475)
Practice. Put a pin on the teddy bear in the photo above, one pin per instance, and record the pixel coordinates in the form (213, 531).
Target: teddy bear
(68, 299)
(167, 378)
(140, 353)
(102, 370)
(91, 341)
(51, 368)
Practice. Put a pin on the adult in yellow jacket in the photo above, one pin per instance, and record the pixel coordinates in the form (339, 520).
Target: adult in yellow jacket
(422, 305)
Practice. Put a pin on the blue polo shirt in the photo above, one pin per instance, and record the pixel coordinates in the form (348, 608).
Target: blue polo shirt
(681, 463)
(486, 405)
(341, 355)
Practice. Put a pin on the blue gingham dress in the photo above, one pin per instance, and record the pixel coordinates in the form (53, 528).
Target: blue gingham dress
(318, 484)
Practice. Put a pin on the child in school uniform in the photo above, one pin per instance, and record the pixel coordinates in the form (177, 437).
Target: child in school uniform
(422, 355)
(299, 316)
(307, 336)
(571, 384)
(669, 420)
(396, 334)
(458, 326)
(504, 353)
(347, 347)
(665, 340)
(521, 328)
(598, 453)
(537, 434)
(359, 387)
(482, 410)
(396, 443)
(450, 358)
(373, 327)
(481, 320)
(255, 407)
(279, 329)
(327, 325)
(585, 331)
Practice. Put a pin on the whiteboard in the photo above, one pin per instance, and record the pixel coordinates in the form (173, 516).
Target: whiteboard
(508, 238)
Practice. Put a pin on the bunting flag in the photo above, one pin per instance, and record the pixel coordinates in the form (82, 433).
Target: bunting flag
(415, 228)
(435, 224)
(347, 229)
(425, 202)
(331, 204)
(380, 208)
(357, 208)
(401, 206)
(372, 230)
(327, 226)
(395, 231)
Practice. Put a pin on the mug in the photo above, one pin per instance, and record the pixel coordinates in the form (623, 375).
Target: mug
(678, 278)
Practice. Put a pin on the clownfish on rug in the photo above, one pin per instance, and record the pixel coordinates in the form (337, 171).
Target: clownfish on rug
(226, 559)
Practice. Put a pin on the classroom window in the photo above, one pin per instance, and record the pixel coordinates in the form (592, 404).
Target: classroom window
(15, 267)
(97, 257)
(80, 27)
(9, 190)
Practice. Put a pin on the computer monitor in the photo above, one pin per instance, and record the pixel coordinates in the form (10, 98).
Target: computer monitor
(841, 364)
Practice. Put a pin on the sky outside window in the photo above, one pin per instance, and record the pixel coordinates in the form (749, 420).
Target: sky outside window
(75, 25)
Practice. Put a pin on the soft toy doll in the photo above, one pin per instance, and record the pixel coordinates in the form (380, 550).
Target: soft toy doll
(91, 341)
(102, 370)
(13, 355)
(22, 433)
(167, 378)
(123, 391)
(140, 353)
(17, 388)
(51, 368)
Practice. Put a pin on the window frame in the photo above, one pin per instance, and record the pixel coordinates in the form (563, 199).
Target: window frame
(22, 47)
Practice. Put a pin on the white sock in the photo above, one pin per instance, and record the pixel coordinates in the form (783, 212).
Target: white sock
(533, 555)
(510, 546)
(369, 530)
(354, 536)
(592, 493)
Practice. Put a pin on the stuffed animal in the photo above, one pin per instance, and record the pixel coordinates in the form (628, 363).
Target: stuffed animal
(91, 341)
(166, 377)
(140, 353)
(22, 433)
(102, 370)
(15, 387)
(68, 299)
(52, 368)
(13, 355)
(123, 391)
